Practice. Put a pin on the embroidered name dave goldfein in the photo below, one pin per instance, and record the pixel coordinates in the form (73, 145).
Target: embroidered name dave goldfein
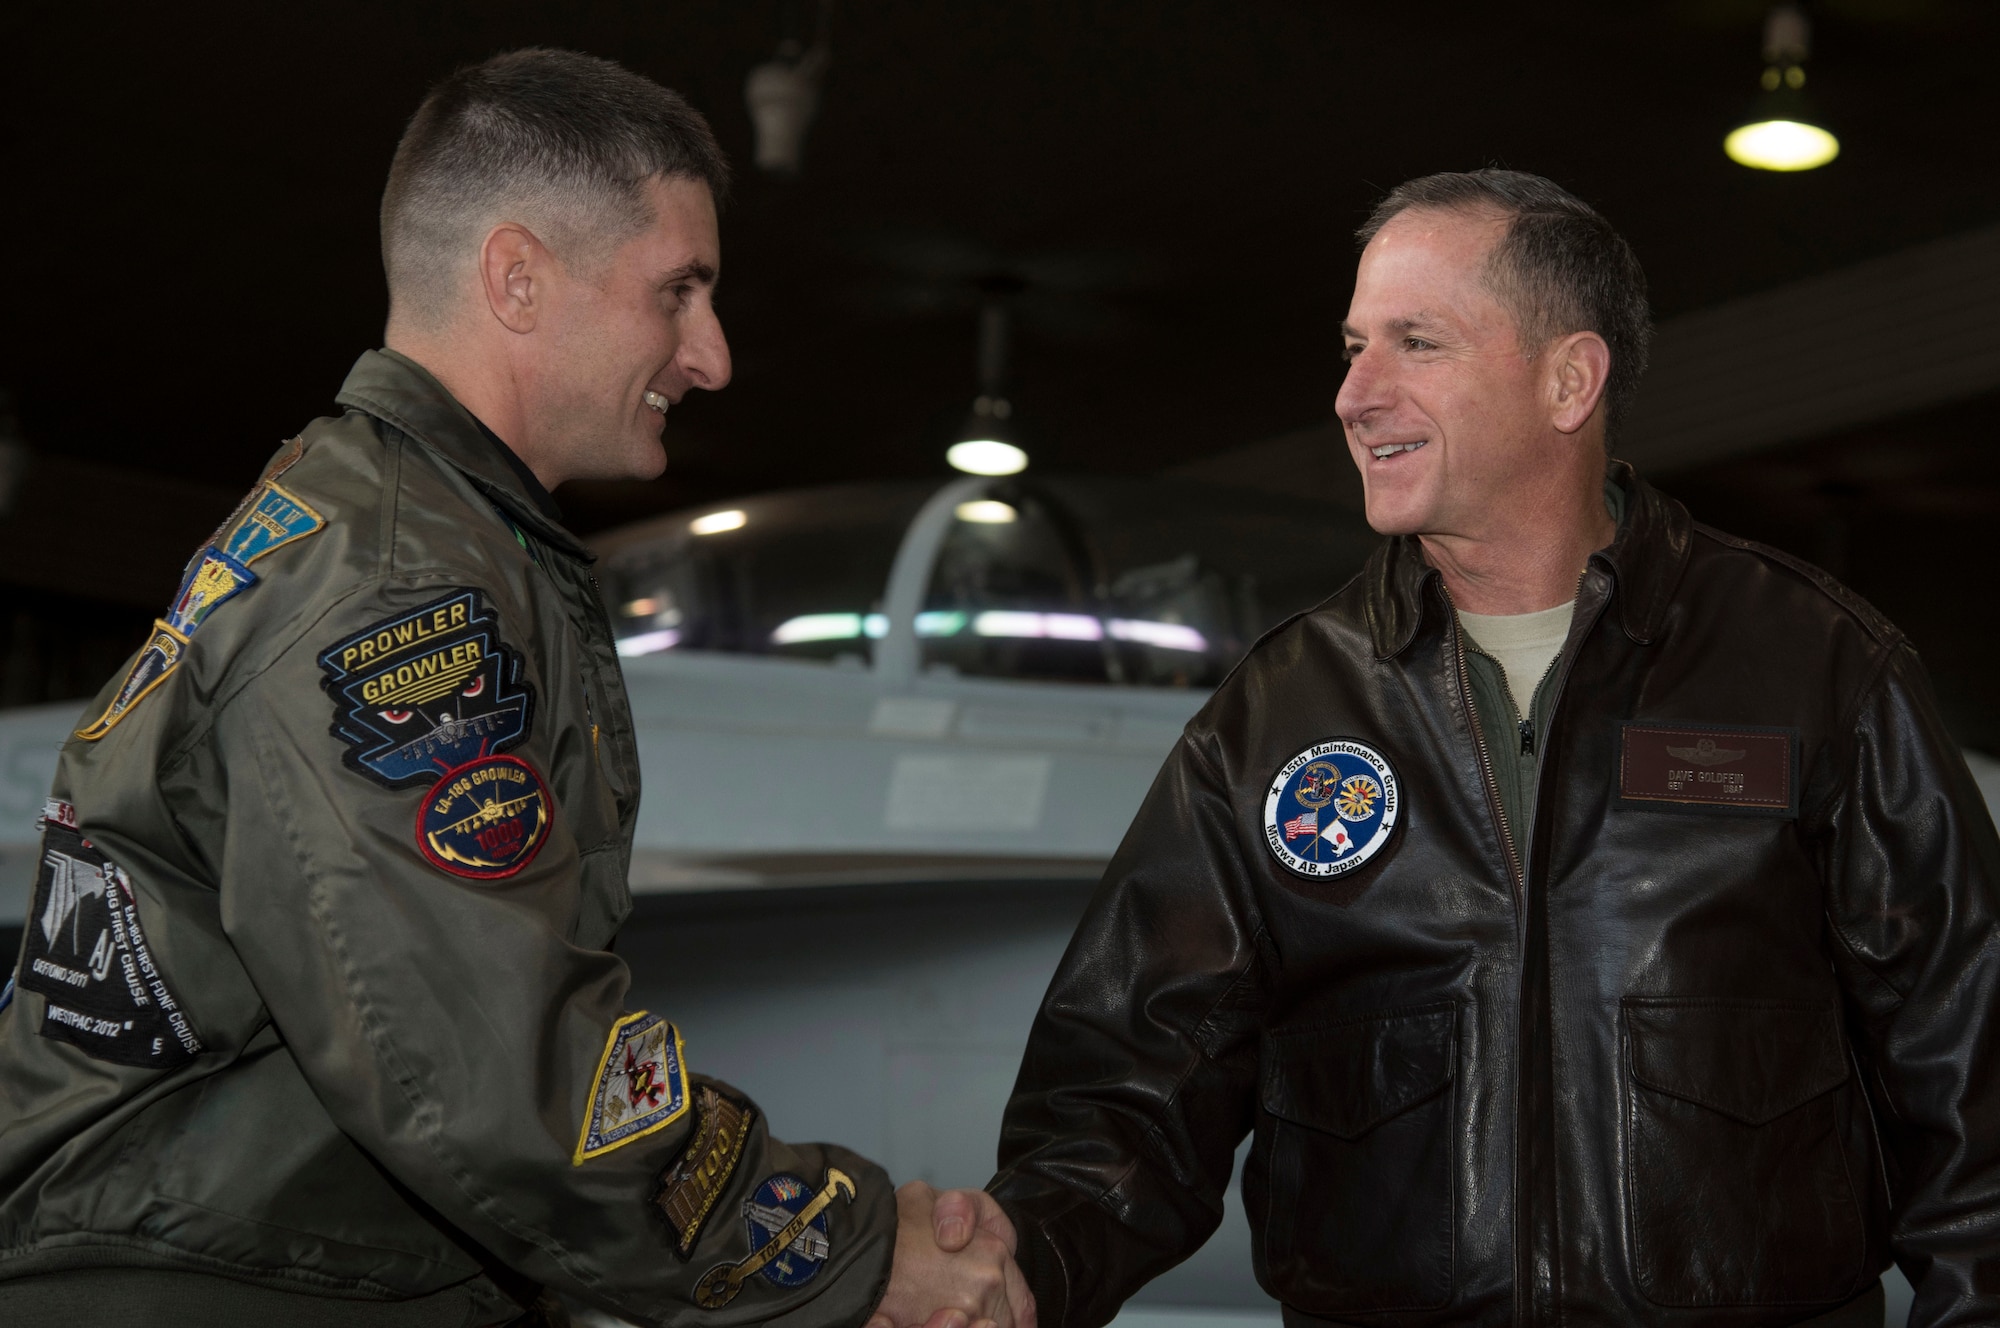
(427, 691)
(85, 952)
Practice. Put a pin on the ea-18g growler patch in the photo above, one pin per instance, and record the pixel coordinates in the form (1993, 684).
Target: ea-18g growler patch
(486, 819)
(641, 1086)
(689, 1188)
(424, 692)
(267, 520)
(86, 953)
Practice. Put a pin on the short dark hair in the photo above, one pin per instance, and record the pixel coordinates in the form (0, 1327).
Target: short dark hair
(1560, 268)
(557, 140)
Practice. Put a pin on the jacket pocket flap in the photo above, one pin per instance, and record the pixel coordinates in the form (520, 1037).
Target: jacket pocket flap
(1349, 1077)
(1752, 1061)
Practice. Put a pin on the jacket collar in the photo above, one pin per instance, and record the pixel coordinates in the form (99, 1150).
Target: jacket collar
(1645, 561)
(397, 390)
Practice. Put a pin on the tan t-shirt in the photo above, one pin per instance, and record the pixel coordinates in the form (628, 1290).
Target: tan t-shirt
(1524, 643)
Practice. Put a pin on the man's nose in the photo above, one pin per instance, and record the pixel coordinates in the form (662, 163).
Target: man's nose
(705, 353)
(1363, 390)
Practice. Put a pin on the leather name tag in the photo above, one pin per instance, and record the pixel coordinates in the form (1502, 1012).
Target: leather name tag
(1708, 768)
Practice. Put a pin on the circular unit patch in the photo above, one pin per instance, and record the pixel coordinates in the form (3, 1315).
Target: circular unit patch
(485, 819)
(1331, 808)
(769, 1211)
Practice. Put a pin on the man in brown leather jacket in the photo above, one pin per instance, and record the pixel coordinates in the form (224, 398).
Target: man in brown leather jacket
(316, 1021)
(1586, 910)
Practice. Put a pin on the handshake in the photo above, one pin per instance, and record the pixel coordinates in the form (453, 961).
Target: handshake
(954, 1264)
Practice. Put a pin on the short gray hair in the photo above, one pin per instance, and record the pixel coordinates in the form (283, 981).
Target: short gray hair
(1560, 268)
(556, 140)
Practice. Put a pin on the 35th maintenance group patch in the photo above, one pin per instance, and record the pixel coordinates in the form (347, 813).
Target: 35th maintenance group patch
(1331, 808)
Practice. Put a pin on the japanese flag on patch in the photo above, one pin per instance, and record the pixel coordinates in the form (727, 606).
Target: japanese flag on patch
(1336, 835)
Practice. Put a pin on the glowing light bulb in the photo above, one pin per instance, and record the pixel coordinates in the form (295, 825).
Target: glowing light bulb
(987, 456)
(717, 522)
(985, 512)
(1781, 145)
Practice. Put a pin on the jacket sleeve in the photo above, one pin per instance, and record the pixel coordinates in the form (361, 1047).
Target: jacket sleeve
(444, 1018)
(1913, 870)
(1136, 1086)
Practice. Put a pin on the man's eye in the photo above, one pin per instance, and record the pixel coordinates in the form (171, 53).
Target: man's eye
(1417, 343)
(1348, 353)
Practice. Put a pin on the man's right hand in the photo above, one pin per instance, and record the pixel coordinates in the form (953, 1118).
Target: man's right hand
(954, 1264)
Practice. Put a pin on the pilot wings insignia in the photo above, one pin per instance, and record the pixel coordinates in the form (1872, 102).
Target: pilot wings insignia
(1705, 752)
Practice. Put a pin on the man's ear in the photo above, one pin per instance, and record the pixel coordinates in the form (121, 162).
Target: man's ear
(1579, 368)
(514, 270)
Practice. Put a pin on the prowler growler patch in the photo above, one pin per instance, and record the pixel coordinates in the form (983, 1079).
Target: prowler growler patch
(1708, 768)
(427, 691)
(87, 953)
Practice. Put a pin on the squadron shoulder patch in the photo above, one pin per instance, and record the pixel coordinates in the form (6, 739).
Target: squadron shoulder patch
(789, 1239)
(641, 1086)
(268, 519)
(1331, 808)
(427, 691)
(689, 1188)
(485, 819)
(86, 953)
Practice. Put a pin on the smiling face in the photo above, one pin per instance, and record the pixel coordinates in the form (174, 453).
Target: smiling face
(629, 336)
(1445, 413)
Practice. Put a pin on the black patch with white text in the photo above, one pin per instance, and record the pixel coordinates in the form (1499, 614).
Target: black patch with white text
(87, 954)
(425, 692)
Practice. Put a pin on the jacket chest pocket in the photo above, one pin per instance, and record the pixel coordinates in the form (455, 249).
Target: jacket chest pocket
(1737, 1169)
(1357, 1163)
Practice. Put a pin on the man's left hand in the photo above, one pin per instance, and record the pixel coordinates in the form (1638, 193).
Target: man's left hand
(954, 1264)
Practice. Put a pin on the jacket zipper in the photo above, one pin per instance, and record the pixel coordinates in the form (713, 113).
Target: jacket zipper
(1524, 1287)
(1485, 757)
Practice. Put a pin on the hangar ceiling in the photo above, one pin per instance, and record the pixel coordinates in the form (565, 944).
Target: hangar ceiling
(1168, 188)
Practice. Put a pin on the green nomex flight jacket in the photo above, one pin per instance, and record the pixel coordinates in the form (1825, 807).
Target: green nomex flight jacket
(315, 992)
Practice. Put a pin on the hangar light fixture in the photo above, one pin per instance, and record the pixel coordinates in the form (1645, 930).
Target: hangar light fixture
(985, 446)
(987, 456)
(985, 512)
(1780, 134)
(783, 97)
(717, 522)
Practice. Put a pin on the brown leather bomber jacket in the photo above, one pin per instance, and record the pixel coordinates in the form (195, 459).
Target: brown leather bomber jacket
(1707, 1043)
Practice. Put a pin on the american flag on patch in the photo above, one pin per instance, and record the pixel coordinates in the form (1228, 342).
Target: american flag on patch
(1307, 824)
